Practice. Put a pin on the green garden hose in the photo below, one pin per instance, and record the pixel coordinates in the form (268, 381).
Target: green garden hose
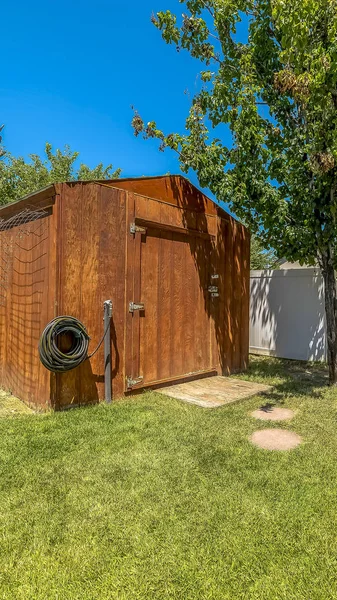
(59, 361)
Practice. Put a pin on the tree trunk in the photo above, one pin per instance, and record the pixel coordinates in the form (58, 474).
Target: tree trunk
(330, 299)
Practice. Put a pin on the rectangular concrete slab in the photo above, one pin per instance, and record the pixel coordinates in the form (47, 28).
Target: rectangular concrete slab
(212, 392)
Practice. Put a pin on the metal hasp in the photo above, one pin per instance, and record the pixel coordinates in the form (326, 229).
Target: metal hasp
(136, 306)
(137, 229)
(132, 382)
(213, 289)
(107, 350)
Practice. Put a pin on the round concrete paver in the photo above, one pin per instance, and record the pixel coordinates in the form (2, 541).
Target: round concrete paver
(275, 413)
(275, 439)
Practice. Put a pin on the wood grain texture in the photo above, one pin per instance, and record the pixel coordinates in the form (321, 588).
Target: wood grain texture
(224, 327)
(42, 199)
(27, 288)
(83, 253)
(245, 285)
(176, 325)
(172, 189)
(237, 299)
(92, 266)
(165, 269)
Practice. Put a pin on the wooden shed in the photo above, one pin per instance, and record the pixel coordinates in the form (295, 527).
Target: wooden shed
(156, 241)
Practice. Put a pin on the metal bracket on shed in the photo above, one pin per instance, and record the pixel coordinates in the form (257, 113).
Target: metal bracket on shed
(133, 306)
(137, 228)
(132, 382)
(213, 289)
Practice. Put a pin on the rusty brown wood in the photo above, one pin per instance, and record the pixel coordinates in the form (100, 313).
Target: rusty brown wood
(129, 291)
(68, 389)
(193, 376)
(226, 316)
(42, 199)
(113, 240)
(245, 282)
(137, 298)
(165, 268)
(88, 255)
(189, 307)
(25, 311)
(170, 188)
(149, 295)
(177, 228)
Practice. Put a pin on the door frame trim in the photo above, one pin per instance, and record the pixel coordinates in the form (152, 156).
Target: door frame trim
(133, 285)
(174, 228)
(176, 379)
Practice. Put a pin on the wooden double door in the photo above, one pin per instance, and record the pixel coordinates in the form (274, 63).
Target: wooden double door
(172, 306)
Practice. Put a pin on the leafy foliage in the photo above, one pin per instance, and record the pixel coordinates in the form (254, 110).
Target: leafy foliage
(19, 177)
(276, 92)
(259, 257)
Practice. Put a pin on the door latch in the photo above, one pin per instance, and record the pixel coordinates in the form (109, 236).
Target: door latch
(137, 228)
(130, 382)
(133, 306)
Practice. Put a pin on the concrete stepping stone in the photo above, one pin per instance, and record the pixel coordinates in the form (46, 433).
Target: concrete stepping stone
(275, 439)
(273, 413)
(211, 392)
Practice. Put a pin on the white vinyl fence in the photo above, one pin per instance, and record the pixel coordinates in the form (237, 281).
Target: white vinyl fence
(287, 314)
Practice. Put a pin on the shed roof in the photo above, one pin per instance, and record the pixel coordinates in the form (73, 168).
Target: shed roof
(156, 187)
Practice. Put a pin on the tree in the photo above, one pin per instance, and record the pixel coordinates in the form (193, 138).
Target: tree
(259, 257)
(275, 91)
(18, 177)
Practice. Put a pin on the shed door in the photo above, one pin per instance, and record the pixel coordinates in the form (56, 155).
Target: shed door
(172, 335)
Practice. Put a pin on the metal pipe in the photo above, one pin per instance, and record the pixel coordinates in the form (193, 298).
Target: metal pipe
(107, 351)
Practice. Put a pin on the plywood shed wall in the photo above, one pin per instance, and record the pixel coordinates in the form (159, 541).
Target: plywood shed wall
(79, 251)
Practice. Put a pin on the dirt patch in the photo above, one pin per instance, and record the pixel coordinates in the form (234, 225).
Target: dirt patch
(275, 439)
(273, 413)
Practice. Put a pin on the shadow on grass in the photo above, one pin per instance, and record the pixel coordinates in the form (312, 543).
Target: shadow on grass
(287, 378)
(267, 408)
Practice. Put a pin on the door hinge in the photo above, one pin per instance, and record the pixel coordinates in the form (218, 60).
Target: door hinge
(136, 306)
(137, 228)
(130, 382)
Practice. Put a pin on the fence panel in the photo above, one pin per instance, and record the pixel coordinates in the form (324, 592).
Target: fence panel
(287, 314)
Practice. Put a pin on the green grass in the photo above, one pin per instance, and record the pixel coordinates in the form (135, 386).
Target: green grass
(154, 499)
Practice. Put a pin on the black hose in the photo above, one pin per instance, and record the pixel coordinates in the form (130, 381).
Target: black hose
(57, 360)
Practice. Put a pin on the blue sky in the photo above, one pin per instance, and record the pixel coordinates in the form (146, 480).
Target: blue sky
(71, 70)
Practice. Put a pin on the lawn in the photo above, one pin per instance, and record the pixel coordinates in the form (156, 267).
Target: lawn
(155, 499)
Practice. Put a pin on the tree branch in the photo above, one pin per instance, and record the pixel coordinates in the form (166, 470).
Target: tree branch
(207, 7)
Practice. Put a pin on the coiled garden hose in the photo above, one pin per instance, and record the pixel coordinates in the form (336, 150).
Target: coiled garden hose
(55, 359)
